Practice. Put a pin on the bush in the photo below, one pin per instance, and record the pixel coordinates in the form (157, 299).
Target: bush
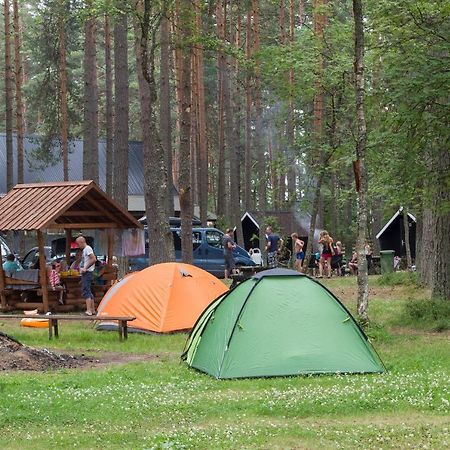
(433, 314)
(397, 279)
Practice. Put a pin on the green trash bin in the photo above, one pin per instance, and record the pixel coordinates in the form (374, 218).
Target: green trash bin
(387, 261)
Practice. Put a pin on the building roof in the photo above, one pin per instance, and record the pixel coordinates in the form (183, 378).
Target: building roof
(62, 205)
(36, 171)
(288, 220)
(392, 219)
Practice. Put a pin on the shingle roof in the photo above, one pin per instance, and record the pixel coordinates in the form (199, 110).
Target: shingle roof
(80, 204)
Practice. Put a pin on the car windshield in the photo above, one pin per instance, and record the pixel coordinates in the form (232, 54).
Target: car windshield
(5, 249)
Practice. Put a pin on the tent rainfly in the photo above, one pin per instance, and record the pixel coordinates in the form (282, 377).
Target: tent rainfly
(164, 298)
(279, 323)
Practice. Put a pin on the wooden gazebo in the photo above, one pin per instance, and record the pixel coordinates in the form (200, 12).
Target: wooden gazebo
(75, 205)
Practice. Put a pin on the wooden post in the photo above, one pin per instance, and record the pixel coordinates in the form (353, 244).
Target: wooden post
(2, 283)
(42, 270)
(110, 246)
(68, 244)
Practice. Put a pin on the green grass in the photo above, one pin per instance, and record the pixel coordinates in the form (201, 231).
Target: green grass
(162, 404)
(398, 279)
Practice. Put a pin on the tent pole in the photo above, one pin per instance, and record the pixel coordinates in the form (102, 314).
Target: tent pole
(42, 270)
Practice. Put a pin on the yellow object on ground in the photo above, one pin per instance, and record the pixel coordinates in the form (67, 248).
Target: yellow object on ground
(34, 323)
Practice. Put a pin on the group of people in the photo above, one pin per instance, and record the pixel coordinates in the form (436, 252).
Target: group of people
(85, 263)
(329, 257)
(273, 244)
(353, 263)
(327, 250)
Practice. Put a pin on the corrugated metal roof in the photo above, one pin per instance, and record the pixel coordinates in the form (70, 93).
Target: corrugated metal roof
(61, 204)
(35, 171)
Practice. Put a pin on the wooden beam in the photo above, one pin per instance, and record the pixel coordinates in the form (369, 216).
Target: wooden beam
(110, 246)
(43, 270)
(79, 226)
(105, 211)
(2, 282)
(68, 243)
(81, 213)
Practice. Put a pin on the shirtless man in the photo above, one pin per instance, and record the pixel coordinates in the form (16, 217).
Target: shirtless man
(298, 251)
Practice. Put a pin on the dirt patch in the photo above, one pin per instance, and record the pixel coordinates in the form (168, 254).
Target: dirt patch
(445, 334)
(107, 359)
(16, 356)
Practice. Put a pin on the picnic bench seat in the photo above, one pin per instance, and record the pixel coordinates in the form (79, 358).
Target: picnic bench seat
(53, 321)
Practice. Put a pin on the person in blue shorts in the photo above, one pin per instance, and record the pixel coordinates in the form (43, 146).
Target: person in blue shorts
(297, 247)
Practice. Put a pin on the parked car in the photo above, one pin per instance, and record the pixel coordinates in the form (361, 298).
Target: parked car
(207, 251)
(5, 249)
(31, 258)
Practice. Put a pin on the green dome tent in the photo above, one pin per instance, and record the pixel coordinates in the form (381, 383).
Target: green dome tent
(279, 323)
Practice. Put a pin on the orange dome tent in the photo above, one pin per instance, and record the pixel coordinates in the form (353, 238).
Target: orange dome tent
(163, 298)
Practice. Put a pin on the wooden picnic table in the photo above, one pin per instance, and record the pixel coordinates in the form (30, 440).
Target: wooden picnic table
(53, 321)
(245, 272)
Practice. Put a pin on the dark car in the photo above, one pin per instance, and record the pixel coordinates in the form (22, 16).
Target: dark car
(31, 258)
(207, 251)
(5, 249)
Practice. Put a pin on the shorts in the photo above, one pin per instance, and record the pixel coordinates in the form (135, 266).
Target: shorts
(300, 256)
(229, 262)
(272, 260)
(326, 255)
(86, 280)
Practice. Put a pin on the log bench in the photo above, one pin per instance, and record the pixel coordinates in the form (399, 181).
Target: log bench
(53, 321)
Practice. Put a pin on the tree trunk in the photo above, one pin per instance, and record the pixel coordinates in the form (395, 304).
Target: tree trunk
(291, 176)
(318, 157)
(155, 171)
(360, 171)
(230, 132)
(19, 99)
(440, 286)
(406, 236)
(248, 118)
(201, 123)
(63, 95)
(109, 109)
(221, 63)
(236, 210)
(8, 98)
(121, 109)
(90, 127)
(177, 69)
(194, 127)
(301, 12)
(184, 180)
(425, 258)
(279, 183)
(164, 108)
(261, 165)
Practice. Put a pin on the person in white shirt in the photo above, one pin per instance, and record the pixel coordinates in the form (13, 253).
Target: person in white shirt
(87, 268)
